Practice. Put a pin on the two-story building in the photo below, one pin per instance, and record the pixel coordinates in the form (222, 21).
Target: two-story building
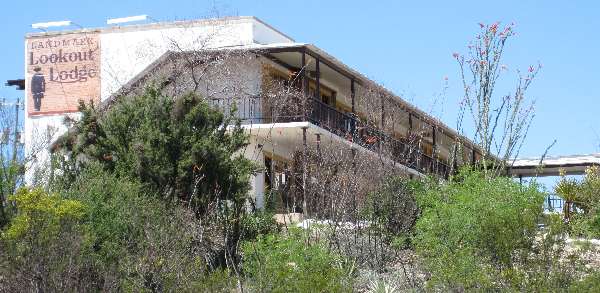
(287, 94)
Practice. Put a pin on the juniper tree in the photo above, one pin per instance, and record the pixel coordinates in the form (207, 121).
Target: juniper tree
(178, 146)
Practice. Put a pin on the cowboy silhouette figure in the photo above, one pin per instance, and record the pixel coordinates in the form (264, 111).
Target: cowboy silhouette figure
(38, 87)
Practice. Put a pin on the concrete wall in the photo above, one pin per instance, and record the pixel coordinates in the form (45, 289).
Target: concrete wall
(125, 54)
(265, 34)
(127, 51)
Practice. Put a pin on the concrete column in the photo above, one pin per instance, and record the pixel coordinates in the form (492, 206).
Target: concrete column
(257, 181)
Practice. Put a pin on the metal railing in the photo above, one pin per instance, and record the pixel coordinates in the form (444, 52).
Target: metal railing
(554, 204)
(346, 125)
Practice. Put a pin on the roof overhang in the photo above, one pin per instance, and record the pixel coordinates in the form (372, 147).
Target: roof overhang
(289, 137)
(552, 166)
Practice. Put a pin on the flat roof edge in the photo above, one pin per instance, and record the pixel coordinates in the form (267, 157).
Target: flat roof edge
(149, 26)
(273, 28)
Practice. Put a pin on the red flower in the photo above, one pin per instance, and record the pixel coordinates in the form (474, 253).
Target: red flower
(455, 55)
(494, 27)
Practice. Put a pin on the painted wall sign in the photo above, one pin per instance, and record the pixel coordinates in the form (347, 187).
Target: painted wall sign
(61, 71)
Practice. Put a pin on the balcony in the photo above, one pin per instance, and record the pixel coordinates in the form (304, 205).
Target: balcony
(251, 110)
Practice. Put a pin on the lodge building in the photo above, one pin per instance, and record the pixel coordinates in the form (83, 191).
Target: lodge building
(323, 101)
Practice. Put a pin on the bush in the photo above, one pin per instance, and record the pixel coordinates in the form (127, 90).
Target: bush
(41, 247)
(394, 209)
(481, 234)
(137, 241)
(590, 283)
(473, 230)
(258, 223)
(174, 148)
(582, 203)
(220, 280)
(276, 263)
(105, 233)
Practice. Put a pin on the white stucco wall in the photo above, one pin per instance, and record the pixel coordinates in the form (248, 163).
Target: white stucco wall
(127, 53)
(257, 181)
(264, 34)
(128, 50)
(40, 132)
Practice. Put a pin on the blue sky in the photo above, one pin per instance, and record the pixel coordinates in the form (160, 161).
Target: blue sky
(405, 45)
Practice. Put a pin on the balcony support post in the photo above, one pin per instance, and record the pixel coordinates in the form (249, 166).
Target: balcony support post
(433, 148)
(353, 116)
(304, 175)
(455, 161)
(410, 123)
(354, 193)
(352, 95)
(382, 112)
(303, 75)
(318, 79)
(304, 85)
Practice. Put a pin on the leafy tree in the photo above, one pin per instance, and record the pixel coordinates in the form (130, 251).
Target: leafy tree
(177, 146)
(568, 189)
(582, 202)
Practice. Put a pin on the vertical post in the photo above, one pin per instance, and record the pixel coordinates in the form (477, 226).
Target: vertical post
(473, 156)
(353, 116)
(409, 141)
(303, 75)
(318, 79)
(433, 138)
(354, 209)
(304, 177)
(382, 112)
(318, 144)
(304, 86)
(455, 162)
(433, 148)
(352, 95)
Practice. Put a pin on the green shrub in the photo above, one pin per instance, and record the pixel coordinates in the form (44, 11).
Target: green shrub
(258, 223)
(582, 203)
(137, 241)
(393, 208)
(40, 250)
(105, 233)
(473, 230)
(276, 263)
(590, 283)
(220, 280)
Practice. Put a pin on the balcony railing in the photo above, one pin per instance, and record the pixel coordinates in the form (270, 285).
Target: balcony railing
(345, 125)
